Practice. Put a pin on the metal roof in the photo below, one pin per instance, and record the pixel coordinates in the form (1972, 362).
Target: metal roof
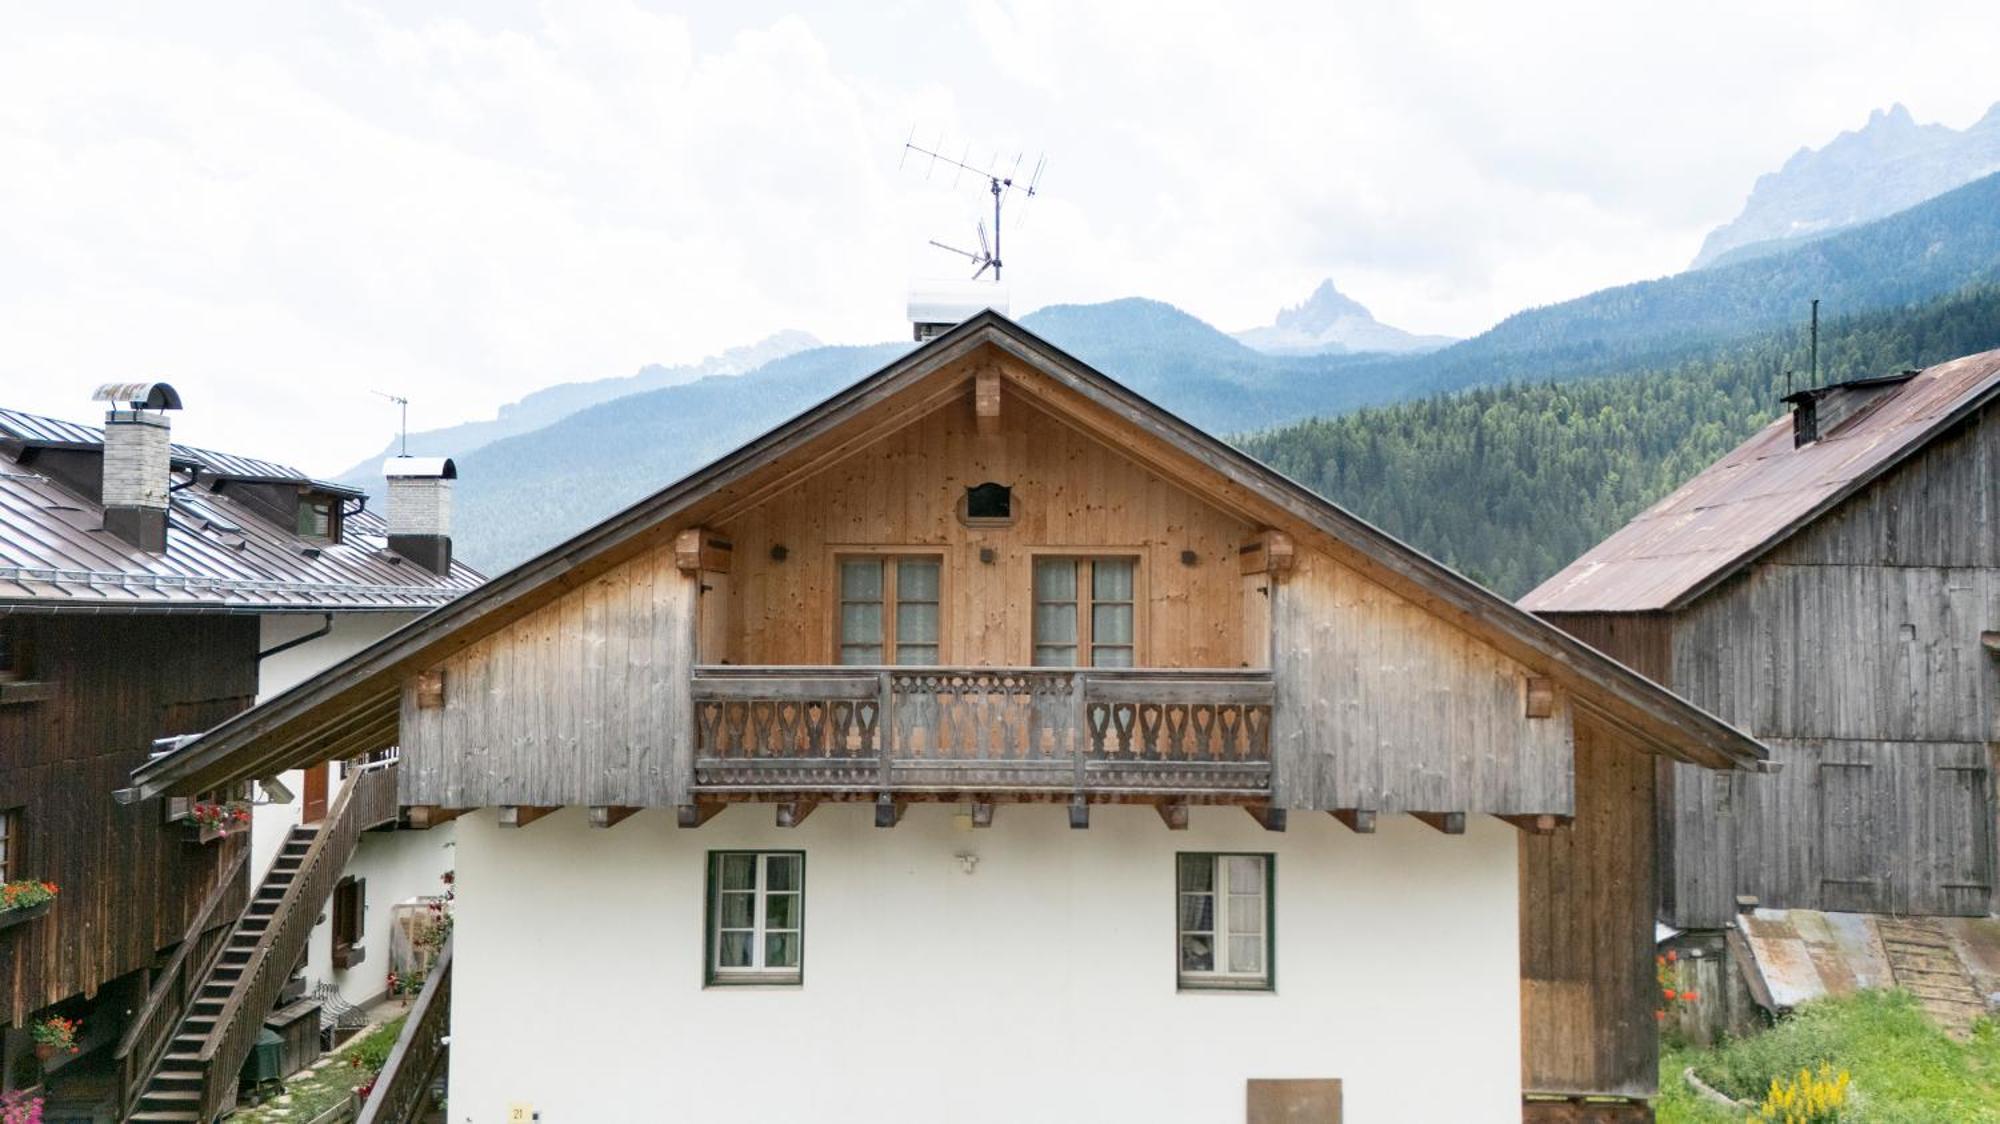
(221, 556)
(1759, 494)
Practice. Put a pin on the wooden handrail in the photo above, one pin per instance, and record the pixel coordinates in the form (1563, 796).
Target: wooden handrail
(284, 939)
(400, 1087)
(146, 1037)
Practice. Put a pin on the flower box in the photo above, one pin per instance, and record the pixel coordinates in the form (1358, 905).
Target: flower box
(24, 913)
(210, 822)
(25, 900)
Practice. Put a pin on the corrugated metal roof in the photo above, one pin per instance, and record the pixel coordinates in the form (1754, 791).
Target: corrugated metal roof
(55, 554)
(1755, 497)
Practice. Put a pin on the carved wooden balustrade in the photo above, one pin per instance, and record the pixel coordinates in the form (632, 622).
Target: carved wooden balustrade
(831, 730)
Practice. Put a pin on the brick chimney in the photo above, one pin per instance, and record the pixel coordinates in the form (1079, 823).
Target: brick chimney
(420, 510)
(138, 455)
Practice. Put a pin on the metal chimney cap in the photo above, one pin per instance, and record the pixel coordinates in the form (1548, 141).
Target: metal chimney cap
(139, 395)
(434, 468)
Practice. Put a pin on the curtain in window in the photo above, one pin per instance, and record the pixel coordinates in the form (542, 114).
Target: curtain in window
(917, 611)
(861, 611)
(1055, 612)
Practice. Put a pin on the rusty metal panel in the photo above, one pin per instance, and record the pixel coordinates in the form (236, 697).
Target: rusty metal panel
(1761, 492)
(1805, 954)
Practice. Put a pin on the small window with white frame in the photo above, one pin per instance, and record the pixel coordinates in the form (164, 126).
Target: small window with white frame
(1225, 912)
(756, 909)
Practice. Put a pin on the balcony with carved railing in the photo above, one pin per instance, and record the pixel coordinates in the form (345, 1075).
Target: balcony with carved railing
(1091, 733)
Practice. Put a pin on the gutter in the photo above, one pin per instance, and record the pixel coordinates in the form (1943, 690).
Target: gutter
(325, 626)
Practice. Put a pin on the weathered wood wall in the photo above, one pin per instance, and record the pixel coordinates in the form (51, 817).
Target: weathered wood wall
(130, 882)
(1587, 893)
(583, 701)
(1071, 493)
(1383, 706)
(1854, 652)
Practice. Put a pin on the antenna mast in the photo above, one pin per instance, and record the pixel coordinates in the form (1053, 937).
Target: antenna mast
(403, 431)
(999, 184)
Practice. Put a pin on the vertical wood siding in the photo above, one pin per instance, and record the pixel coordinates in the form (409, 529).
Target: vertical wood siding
(130, 882)
(1383, 706)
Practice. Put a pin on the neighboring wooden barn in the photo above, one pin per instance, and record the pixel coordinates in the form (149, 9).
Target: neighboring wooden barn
(1833, 587)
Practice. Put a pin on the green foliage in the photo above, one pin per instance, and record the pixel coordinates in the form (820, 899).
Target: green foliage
(371, 1053)
(1508, 484)
(1905, 1069)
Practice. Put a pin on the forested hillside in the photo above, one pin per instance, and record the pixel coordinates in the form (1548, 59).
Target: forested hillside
(1509, 483)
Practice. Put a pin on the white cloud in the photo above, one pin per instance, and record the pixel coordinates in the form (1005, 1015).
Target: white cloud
(281, 211)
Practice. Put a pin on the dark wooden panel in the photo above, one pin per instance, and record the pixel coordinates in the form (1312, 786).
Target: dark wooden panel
(130, 885)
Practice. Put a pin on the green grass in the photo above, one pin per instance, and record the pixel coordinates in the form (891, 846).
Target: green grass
(314, 1093)
(1906, 1070)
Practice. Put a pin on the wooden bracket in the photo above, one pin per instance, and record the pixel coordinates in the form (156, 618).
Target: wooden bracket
(1173, 813)
(1358, 820)
(521, 815)
(697, 813)
(792, 813)
(697, 549)
(889, 811)
(1451, 823)
(423, 817)
(986, 402)
(1079, 814)
(982, 813)
(1536, 825)
(609, 815)
(1269, 552)
(1270, 815)
(430, 689)
(1539, 696)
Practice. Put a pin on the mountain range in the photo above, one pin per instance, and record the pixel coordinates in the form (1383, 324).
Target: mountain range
(1331, 322)
(1889, 164)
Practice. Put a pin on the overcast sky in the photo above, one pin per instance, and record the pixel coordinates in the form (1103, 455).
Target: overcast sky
(281, 209)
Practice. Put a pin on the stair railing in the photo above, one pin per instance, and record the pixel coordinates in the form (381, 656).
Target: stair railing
(398, 1096)
(359, 805)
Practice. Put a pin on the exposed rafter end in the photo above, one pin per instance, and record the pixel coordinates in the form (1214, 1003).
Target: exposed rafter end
(792, 813)
(889, 811)
(1361, 821)
(697, 813)
(1173, 813)
(982, 813)
(1451, 823)
(609, 815)
(423, 817)
(1079, 814)
(1536, 825)
(521, 815)
(986, 402)
(1270, 815)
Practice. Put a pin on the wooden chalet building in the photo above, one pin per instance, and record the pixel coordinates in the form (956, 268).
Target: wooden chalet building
(149, 590)
(1832, 586)
(898, 763)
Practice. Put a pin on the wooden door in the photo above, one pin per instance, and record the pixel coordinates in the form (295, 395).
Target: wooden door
(315, 800)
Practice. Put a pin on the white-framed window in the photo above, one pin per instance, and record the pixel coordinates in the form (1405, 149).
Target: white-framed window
(1225, 911)
(889, 608)
(1085, 606)
(756, 908)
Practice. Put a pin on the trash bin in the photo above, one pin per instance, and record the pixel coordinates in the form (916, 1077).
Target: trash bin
(266, 1061)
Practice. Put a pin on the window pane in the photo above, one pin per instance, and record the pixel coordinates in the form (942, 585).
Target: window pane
(739, 872)
(1246, 874)
(1197, 872)
(916, 655)
(1055, 624)
(781, 911)
(1055, 580)
(1246, 954)
(781, 950)
(1111, 624)
(861, 579)
(860, 654)
(1111, 579)
(917, 579)
(737, 910)
(916, 623)
(1057, 656)
(1197, 913)
(1110, 657)
(782, 873)
(860, 623)
(1197, 954)
(1246, 914)
(733, 950)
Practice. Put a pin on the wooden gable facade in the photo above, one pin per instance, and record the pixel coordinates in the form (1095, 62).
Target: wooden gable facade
(1260, 648)
(1856, 644)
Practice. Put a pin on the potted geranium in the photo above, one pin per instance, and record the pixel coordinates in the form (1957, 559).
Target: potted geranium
(20, 1107)
(25, 900)
(214, 821)
(55, 1035)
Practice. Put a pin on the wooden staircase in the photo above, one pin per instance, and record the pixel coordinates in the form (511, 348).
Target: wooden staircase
(1924, 964)
(195, 1078)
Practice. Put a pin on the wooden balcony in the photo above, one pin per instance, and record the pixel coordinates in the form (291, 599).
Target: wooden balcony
(1095, 733)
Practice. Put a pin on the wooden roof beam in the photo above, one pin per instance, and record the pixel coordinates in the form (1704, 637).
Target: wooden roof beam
(610, 815)
(423, 817)
(792, 813)
(982, 813)
(1361, 821)
(521, 815)
(1173, 813)
(889, 810)
(1270, 816)
(698, 813)
(1451, 823)
(1536, 825)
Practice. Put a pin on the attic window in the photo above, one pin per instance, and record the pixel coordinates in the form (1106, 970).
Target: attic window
(319, 518)
(988, 505)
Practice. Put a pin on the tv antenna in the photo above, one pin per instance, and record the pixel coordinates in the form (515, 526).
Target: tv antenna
(403, 436)
(1000, 184)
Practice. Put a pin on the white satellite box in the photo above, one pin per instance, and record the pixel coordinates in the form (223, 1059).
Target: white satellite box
(938, 306)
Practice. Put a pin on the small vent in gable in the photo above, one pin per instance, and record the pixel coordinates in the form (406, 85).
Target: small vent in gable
(987, 505)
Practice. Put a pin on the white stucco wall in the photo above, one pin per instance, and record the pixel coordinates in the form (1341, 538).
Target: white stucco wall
(1039, 987)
